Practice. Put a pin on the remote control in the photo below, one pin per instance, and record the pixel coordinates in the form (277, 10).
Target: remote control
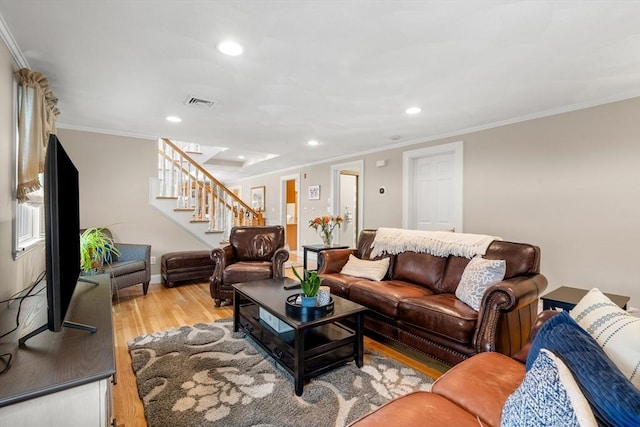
(294, 286)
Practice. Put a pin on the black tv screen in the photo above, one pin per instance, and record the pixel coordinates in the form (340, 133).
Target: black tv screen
(62, 227)
(62, 237)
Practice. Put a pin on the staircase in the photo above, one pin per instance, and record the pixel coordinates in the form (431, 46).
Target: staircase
(191, 197)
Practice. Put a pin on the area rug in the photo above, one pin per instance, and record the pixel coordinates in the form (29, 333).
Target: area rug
(207, 375)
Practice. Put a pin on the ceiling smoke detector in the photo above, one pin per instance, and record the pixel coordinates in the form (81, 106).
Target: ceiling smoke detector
(199, 102)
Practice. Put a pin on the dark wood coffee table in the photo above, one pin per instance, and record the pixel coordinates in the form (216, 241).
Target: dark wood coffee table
(311, 347)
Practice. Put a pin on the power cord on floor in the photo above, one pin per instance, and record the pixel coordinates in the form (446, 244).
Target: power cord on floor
(21, 299)
(7, 357)
(15, 296)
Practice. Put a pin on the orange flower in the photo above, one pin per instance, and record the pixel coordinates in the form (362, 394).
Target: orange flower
(325, 225)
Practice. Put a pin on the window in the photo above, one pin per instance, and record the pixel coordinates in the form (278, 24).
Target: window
(28, 221)
(34, 119)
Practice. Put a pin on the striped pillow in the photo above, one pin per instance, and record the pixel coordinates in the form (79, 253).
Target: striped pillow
(617, 332)
(613, 399)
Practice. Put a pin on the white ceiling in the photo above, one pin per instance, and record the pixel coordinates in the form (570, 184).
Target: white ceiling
(341, 72)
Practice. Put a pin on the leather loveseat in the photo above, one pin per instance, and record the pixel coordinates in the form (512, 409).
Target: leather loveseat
(415, 307)
(472, 393)
(562, 376)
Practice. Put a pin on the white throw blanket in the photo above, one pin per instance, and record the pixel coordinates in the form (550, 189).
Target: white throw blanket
(439, 243)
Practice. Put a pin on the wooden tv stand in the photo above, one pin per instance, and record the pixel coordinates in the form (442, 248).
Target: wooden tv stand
(63, 378)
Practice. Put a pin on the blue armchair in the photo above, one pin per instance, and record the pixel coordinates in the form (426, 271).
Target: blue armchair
(131, 267)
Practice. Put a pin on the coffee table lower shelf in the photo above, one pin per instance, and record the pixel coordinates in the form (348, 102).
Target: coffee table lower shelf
(320, 348)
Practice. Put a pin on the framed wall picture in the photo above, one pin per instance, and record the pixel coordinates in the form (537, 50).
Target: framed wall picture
(257, 198)
(314, 192)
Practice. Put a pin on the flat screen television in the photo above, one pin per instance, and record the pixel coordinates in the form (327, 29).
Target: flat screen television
(62, 236)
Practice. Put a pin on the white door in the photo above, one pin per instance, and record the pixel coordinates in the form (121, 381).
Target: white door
(433, 188)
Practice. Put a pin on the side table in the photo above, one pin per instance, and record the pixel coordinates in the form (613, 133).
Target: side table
(317, 249)
(566, 298)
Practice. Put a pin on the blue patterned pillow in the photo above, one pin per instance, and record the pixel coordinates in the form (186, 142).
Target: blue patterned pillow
(477, 276)
(548, 396)
(613, 399)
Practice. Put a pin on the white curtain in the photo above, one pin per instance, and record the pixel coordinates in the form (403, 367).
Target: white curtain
(37, 113)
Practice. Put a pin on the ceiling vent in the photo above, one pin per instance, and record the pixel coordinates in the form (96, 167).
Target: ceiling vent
(199, 102)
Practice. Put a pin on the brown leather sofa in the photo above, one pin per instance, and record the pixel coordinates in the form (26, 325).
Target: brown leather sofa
(415, 308)
(472, 393)
(253, 253)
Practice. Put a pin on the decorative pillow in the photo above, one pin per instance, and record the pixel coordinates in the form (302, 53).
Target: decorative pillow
(617, 332)
(548, 396)
(373, 270)
(613, 399)
(477, 276)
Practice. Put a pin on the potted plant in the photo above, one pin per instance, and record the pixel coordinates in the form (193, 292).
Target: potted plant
(310, 285)
(96, 249)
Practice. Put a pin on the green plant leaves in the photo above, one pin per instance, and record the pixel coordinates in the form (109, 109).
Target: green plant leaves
(311, 282)
(96, 248)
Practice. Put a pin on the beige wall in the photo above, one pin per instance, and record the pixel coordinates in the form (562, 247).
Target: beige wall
(114, 191)
(15, 275)
(569, 183)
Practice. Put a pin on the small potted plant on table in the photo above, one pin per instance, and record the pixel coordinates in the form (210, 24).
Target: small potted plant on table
(310, 284)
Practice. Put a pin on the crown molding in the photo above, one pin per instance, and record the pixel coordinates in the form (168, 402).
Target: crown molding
(89, 129)
(514, 120)
(11, 44)
(458, 133)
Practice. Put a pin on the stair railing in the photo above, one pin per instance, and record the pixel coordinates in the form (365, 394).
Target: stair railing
(196, 190)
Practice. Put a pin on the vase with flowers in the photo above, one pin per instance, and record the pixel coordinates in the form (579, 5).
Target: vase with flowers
(324, 225)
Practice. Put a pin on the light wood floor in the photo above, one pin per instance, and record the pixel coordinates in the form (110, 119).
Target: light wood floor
(166, 308)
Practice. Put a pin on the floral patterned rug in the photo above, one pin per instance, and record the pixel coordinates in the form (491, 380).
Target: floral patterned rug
(206, 375)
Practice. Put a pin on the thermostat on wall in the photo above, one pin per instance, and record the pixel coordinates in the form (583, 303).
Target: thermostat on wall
(382, 191)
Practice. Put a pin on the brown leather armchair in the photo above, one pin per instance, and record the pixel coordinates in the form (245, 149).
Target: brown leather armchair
(253, 253)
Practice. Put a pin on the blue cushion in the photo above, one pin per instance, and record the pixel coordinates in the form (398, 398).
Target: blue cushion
(548, 396)
(614, 400)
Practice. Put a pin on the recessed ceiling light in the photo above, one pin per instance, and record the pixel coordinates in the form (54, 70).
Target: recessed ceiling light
(413, 110)
(312, 142)
(230, 48)
(173, 119)
(241, 157)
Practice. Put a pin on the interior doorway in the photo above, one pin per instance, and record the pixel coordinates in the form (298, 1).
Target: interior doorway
(348, 207)
(289, 209)
(346, 200)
